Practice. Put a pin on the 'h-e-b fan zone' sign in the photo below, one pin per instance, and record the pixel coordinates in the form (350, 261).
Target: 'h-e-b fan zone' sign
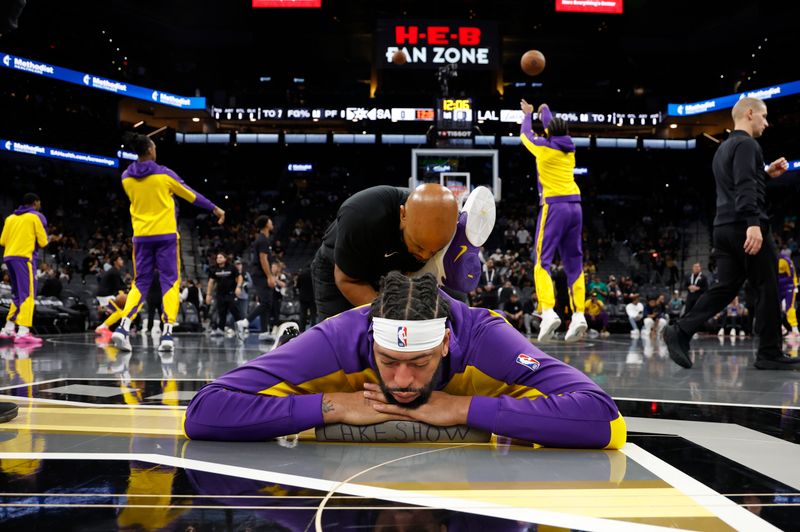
(433, 44)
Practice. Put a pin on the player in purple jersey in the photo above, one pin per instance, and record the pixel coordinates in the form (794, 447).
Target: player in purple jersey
(414, 354)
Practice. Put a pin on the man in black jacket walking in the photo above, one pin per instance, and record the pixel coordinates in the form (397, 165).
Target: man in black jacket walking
(743, 252)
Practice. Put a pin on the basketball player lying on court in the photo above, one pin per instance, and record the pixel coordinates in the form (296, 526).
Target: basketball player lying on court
(415, 354)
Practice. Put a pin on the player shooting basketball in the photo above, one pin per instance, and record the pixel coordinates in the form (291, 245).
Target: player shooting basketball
(560, 220)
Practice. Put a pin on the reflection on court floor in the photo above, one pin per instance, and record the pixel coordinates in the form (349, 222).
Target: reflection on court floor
(98, 445)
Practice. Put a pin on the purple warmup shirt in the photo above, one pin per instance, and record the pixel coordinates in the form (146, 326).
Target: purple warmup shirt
(518, 390)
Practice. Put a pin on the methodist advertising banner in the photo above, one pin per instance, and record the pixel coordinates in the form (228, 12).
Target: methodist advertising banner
(22, 64)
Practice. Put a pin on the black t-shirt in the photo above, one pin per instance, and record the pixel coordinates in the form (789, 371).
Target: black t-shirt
(365, 240)
(110, 283)
(512, 307)
(224, 279)
(261, 245)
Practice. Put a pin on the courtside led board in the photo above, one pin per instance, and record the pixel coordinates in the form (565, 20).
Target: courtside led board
(590, 6)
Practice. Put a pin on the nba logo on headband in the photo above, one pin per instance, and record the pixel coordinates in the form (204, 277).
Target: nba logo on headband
(402, 336)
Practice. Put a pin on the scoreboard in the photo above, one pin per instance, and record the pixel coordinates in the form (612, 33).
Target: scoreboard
(455, 120)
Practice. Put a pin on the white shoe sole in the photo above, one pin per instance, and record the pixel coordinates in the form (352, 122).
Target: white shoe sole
(573, 335)
(166, 346)
(121, 342)
(547, 333)
(481, 213)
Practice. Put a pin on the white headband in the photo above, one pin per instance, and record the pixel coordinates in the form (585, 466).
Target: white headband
(408, 335)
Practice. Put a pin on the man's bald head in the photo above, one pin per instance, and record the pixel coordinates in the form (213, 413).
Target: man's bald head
(428, 220)
(750, 115)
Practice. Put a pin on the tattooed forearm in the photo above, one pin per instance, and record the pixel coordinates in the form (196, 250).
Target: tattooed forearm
(327, 406)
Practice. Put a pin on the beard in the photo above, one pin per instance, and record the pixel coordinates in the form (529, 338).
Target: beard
(424, 392)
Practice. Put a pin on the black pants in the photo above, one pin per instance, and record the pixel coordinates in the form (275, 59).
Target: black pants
(330, 301)
(264, 293)
(691, 301)
(227, 304)
(308, 314)
(734, 266)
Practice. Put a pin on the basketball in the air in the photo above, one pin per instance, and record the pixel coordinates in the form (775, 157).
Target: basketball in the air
(120, 300)
(532, 62)
(399, 58)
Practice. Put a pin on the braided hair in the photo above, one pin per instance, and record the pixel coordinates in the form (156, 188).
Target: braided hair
(403, 298)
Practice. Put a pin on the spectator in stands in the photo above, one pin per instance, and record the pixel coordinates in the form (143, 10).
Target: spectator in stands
(512, 310)
(696, 283)
(635, 312)
(51, 283)
(628, 288)
(733, 318)
(505, 292)
(599, 288)
(5, 285)
(523, 237)
(111, 285)
(90, 266)
(614, 292)
(281, 284)
(596, 316)
(676, 305)
(490, 280)
(243, 298)
(509, 237)
(192, 294)
(655, 316)
(528, 312)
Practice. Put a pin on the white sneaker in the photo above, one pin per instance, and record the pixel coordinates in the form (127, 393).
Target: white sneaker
(742, 334)
(576, 328)
(733, 333)
(550, 322)
(634, 333)
(167, 344)
(229, 332)
(217, 332)
(121, 339)
(721, 332)
(481, 213)
(241, 328)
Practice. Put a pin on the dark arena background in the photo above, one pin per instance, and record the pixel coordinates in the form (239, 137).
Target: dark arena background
(288, 108)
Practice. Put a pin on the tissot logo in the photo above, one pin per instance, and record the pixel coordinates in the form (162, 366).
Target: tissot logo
(7, 60)
(155, 96)
(86, 79)
(440, 35)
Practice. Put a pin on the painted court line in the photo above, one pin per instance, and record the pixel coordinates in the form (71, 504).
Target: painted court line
(724, 508)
